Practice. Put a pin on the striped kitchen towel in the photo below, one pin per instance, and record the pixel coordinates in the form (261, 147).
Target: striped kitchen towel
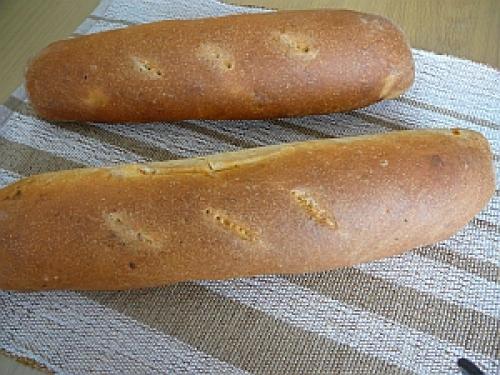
(414, 313)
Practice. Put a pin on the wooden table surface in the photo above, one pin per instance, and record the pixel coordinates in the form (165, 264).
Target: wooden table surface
(465, 28)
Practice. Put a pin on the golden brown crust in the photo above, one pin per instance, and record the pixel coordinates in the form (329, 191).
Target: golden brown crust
(236, 67)
(293, 208)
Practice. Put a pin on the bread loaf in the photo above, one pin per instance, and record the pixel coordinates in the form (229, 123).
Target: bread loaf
(248, 66)
(291, 208)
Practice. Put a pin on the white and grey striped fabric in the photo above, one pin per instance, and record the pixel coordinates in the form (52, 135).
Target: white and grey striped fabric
(414, 313)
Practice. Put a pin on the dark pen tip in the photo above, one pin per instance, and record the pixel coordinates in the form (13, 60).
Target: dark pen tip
(469, 368)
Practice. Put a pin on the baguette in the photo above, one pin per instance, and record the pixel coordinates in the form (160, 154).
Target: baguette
(250, 66)
(292, 208)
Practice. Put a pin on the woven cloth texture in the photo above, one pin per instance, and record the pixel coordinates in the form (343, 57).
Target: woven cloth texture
(414, 313)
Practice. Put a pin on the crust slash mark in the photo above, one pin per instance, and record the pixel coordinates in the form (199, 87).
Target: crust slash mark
(389, 87)
(225, 221)
(127, 232)
(96, 98)
(146, 67)
(217, 56)
(313, 209)
(296, 45)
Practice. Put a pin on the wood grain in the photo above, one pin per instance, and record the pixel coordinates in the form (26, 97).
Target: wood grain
(469, 29)
(26, 26)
